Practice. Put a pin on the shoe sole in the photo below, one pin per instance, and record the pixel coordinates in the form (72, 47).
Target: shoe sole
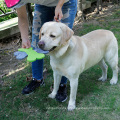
(42, 85)
(63, 100)
(28, 93)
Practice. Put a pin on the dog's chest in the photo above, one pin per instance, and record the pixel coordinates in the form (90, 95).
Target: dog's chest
(64, 67)
(57, 64)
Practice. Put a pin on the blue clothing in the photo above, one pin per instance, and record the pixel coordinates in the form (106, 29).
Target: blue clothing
(44, 14)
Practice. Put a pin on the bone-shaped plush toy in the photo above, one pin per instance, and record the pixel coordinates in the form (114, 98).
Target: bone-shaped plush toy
(33, 55)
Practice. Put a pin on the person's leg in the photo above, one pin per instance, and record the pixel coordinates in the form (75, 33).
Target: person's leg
(42, 14)
(69, 10)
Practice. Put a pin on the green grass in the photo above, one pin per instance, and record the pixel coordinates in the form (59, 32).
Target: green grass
(5, 9)
(96, 100)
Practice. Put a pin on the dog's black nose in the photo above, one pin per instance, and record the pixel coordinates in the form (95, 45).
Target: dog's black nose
(41, 44)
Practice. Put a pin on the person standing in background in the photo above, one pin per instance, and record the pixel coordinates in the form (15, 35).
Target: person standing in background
(45, 11)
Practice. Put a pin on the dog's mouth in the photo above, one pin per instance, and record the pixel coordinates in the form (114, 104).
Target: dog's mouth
(53, 48)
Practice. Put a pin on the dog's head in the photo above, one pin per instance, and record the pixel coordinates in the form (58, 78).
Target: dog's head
(53, 35)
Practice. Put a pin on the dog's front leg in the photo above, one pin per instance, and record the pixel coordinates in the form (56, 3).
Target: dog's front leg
(73, 91)
(57, 79)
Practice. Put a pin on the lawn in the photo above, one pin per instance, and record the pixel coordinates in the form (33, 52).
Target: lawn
(96, 100)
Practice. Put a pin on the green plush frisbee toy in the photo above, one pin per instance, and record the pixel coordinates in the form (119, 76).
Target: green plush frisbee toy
(32, 55)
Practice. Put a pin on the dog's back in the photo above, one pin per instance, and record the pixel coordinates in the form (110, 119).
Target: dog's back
(97, 45)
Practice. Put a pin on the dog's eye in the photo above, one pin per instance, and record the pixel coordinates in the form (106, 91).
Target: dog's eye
(53, 36)
(42, 33)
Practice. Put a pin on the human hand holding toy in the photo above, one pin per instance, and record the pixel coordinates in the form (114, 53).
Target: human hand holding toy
(33, 55)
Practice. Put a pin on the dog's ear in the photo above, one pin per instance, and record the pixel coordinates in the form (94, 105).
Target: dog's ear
(40, 33)
(67, 33)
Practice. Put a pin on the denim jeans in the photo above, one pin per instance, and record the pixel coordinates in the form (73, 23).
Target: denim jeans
(44, 14)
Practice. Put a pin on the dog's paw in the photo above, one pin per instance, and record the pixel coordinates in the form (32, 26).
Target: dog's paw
(113, 81)
(71, 107)
(51, 96)
(102, 79)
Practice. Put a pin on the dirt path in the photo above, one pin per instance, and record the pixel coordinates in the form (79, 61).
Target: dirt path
(7, 59)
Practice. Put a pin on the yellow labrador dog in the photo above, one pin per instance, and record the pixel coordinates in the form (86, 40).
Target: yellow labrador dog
(71, 55)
